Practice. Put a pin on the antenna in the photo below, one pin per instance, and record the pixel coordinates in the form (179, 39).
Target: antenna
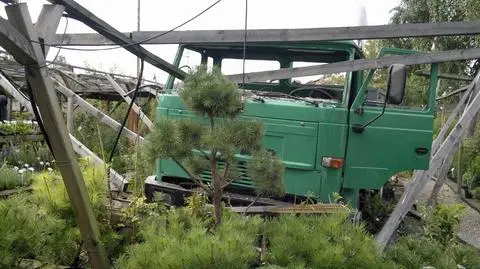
(361, 19)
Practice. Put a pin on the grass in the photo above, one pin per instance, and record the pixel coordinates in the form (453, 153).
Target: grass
(11, 179)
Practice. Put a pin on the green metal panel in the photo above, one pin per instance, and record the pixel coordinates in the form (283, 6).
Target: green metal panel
(300, 133)
(389, 144)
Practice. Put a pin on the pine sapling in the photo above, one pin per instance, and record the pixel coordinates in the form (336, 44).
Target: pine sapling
(214, 143)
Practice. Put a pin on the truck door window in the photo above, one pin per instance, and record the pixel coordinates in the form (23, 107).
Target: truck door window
(416, 88)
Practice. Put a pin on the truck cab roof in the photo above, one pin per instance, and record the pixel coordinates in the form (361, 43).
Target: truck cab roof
(324, 51)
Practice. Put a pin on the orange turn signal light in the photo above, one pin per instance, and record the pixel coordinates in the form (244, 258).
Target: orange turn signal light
(331, 162)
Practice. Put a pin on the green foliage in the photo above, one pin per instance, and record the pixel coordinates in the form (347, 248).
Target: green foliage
(439, 11)
(11, 179)
(266, 169)
(139, 209)
(33, 154)
(414, 252)
(321, 242)
(27, 233)
(181, 240)
(476, 193)
(375, 212)
(442, 222)
(211, 93)
(17, 128)
(94, 135)
(197, 204)
(16, 115)
(214, 143)
(471, 162)
(51, 194)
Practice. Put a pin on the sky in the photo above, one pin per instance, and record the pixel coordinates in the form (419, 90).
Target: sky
(228, 14)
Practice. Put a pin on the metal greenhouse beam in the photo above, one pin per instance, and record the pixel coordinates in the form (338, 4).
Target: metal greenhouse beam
(82, 14)
(284, 35)
(357, 65)
(33, 58)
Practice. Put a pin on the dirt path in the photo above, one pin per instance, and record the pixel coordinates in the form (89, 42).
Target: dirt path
(470, 223)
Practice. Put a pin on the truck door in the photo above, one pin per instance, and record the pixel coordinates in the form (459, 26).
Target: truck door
(398, 140)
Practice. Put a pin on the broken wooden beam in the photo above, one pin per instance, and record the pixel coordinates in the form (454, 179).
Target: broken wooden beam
(420, 177)
(357, 65)
(45, 96)
(128, 100)
(96, 112)
(82, 14)
(283, 35)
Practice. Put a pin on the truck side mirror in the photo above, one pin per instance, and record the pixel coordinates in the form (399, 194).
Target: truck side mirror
(397, 76)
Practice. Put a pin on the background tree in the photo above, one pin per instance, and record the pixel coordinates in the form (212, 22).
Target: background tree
(423, 11)
(213, 143)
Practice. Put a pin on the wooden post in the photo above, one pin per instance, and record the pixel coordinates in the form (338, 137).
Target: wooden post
(70, 114)
(45, 96)
(442, 177)
(459, 171)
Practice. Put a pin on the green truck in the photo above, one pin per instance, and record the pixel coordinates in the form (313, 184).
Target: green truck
(338, 133)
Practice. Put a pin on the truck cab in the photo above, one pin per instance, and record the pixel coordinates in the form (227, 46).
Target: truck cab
(336, 133)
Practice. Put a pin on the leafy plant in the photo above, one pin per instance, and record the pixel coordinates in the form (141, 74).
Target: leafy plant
(442, 222)
(213, 144)
(17, 128)
(375, 212)
(11, 179)
(476, 193)
(50, 194)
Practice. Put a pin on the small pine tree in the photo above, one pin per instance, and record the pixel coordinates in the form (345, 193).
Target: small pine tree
(197, 146)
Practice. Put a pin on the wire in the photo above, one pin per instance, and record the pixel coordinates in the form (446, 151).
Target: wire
(245, 43)
(39, 118)
(15, 85)
(60, 48)
(135, 43)
(137, 88)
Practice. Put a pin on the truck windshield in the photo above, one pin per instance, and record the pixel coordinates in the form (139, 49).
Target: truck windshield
(229, 57)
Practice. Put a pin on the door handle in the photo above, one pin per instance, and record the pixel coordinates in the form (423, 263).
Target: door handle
(421, 150)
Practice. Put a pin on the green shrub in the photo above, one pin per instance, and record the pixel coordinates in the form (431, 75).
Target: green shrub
(50, 192)
(413, 252)
(476, 193)
(320, 242)
(50, 195)
(181, 240)
(11, 179)
(26, 233)
(442, 222)
(34, 154)
(375, 212)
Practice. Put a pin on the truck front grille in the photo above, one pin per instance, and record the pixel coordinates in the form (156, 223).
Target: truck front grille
(242, 170)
